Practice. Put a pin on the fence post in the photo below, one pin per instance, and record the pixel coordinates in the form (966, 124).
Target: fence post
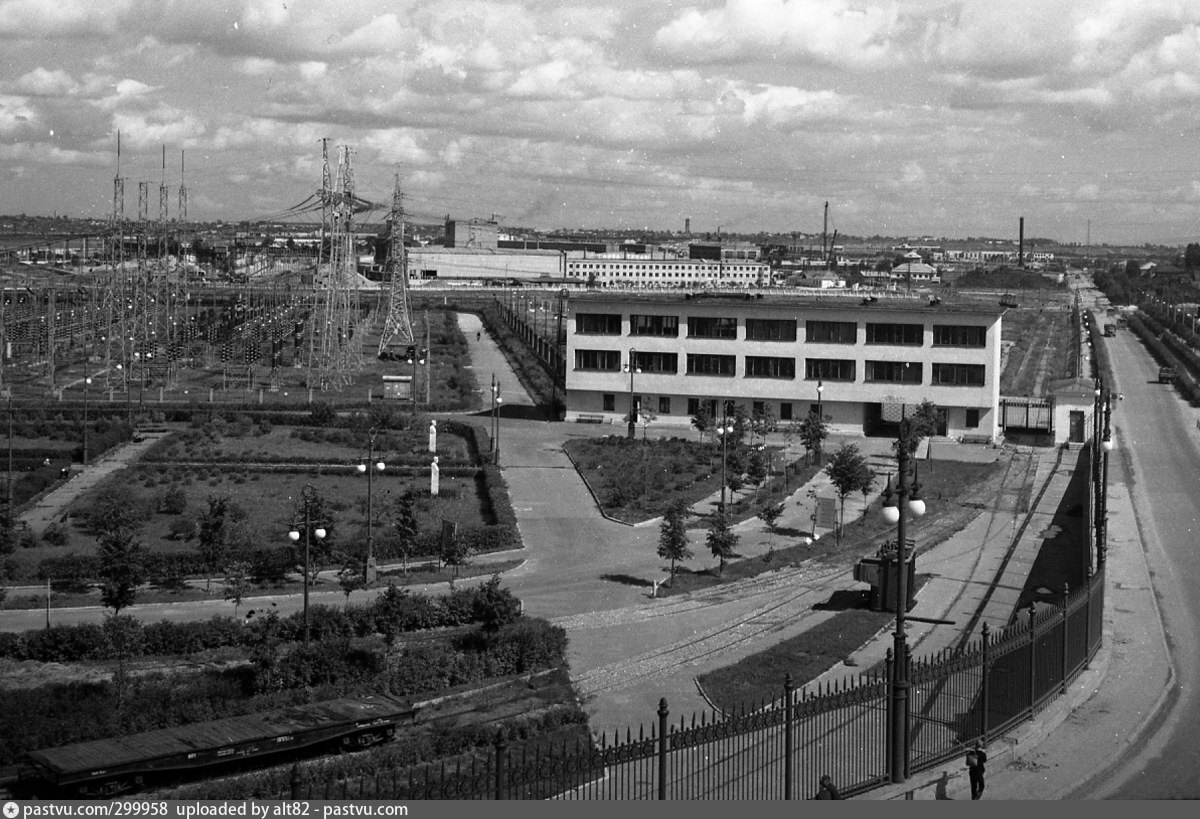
(889, 670)
(501, 746)
(1087, 620)
(663, 712)
(1032, 658)
(983, 694)
(787, 736)
(1065, 634)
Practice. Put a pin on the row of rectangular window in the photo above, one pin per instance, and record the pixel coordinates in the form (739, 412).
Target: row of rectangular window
(826, 369)
(824, 332)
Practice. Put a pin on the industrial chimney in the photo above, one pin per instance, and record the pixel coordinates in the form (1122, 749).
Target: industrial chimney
(1021, 245)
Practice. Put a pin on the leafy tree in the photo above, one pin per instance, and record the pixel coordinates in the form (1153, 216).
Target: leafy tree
(116, 512)
(221, 532)
(762, 423)
(123, 634)
(756, 469)
(495, 607)
(350, 577)
(770, 514)
(702, 421)
(846, 468)
(866, 482)
(8, 532)
(672, 536)
(722, 540)
(405, 524)
(918, 426)
(121, 570)
(389, 610)
(812, 432)
(174, 501)
(237, 582)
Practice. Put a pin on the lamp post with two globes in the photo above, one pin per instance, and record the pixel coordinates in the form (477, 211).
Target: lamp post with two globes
(632, 368)
(723, 431)
(308, 494)
(896, 508)
(368, 468)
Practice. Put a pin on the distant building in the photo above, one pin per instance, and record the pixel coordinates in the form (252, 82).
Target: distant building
(475, 234)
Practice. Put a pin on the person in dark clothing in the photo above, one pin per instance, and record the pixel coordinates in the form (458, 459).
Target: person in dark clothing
(828, 789)
(976, 759)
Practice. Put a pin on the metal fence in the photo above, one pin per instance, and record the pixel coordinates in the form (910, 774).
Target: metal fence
(779, 750)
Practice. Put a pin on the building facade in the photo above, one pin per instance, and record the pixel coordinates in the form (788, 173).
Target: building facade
(668, 273)
(874, 360)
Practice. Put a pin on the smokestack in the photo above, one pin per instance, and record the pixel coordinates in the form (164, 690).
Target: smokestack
(1021, 245)
(687, 225)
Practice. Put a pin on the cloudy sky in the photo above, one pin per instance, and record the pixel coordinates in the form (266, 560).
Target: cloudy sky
(941, 117)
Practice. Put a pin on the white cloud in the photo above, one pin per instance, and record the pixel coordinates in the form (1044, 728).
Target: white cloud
(838, 32)
(15, 115)
(45, 83)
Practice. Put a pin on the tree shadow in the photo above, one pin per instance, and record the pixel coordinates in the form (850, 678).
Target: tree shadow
(845, 599)
(789, 531)
(626, 579)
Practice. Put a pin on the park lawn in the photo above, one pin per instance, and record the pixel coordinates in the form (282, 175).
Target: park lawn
(270, 499)
(941, 487)
(637, 480)
(758, 679)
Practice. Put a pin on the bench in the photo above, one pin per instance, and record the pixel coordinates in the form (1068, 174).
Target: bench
(589, 418)
(976, 438)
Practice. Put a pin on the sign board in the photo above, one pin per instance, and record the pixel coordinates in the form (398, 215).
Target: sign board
(397, 387)
(826, 513)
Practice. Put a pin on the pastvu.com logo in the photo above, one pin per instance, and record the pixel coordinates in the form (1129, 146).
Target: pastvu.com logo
(11, 810)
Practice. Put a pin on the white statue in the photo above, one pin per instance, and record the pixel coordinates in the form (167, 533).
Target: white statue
(433, 436)
(434, 477)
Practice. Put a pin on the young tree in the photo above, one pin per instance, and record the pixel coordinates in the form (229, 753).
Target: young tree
(237, 582)
(722, 540)
(117, 512)
(770, 514)
(221, 532)
(388, 609)
(405, 524)
(121, 570)
(921, 424)
(866, 482)
(812, 432)
(702, 421)
(845, 469)
(756, 470)
(350, 577)
(672, 536)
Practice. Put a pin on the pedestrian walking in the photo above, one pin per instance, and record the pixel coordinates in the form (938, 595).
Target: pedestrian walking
(976, 759)
(828, 789)
(478, 336)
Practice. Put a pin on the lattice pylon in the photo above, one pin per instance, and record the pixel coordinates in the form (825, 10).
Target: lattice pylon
(397, 327)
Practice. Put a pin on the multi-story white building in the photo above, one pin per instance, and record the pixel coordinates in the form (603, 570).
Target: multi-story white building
(673, 273)
(874, 360)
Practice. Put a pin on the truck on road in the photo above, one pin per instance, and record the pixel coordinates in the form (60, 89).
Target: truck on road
(1166, 375)
(1110, 329)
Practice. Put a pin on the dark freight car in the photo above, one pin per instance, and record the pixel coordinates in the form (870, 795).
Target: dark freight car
(106, 767)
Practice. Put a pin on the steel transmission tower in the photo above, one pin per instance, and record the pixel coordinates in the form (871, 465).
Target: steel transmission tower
(398, 325)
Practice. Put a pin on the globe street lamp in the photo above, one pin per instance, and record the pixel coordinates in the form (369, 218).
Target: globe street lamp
(896, 508)
(724, 431)
(369, 572)
(308, 494)
(86, 382)
(414, 357)
(1106, 446)
(632, 368)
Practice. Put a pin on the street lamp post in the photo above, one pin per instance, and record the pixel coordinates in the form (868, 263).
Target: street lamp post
(308, 493)
(369, 572)
(556, 356)
(496, 399)
(86, 382)
(820, 417)
(1106, 446)
(724, 431)
(632, 368)
(896, 507)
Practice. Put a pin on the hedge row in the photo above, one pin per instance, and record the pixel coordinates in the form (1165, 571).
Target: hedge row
(1170, 351)
(58, 714)
(398, 611)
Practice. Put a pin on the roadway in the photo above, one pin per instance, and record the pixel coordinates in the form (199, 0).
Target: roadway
(1158, 448)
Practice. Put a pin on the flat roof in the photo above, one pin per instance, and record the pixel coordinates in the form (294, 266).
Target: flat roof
(816, 300)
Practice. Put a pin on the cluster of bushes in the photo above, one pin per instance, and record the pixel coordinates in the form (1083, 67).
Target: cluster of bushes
(395, 611)
(63, 713)
(75, 571)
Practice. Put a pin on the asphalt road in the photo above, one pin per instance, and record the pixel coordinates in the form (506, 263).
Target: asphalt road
(1158, 440)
